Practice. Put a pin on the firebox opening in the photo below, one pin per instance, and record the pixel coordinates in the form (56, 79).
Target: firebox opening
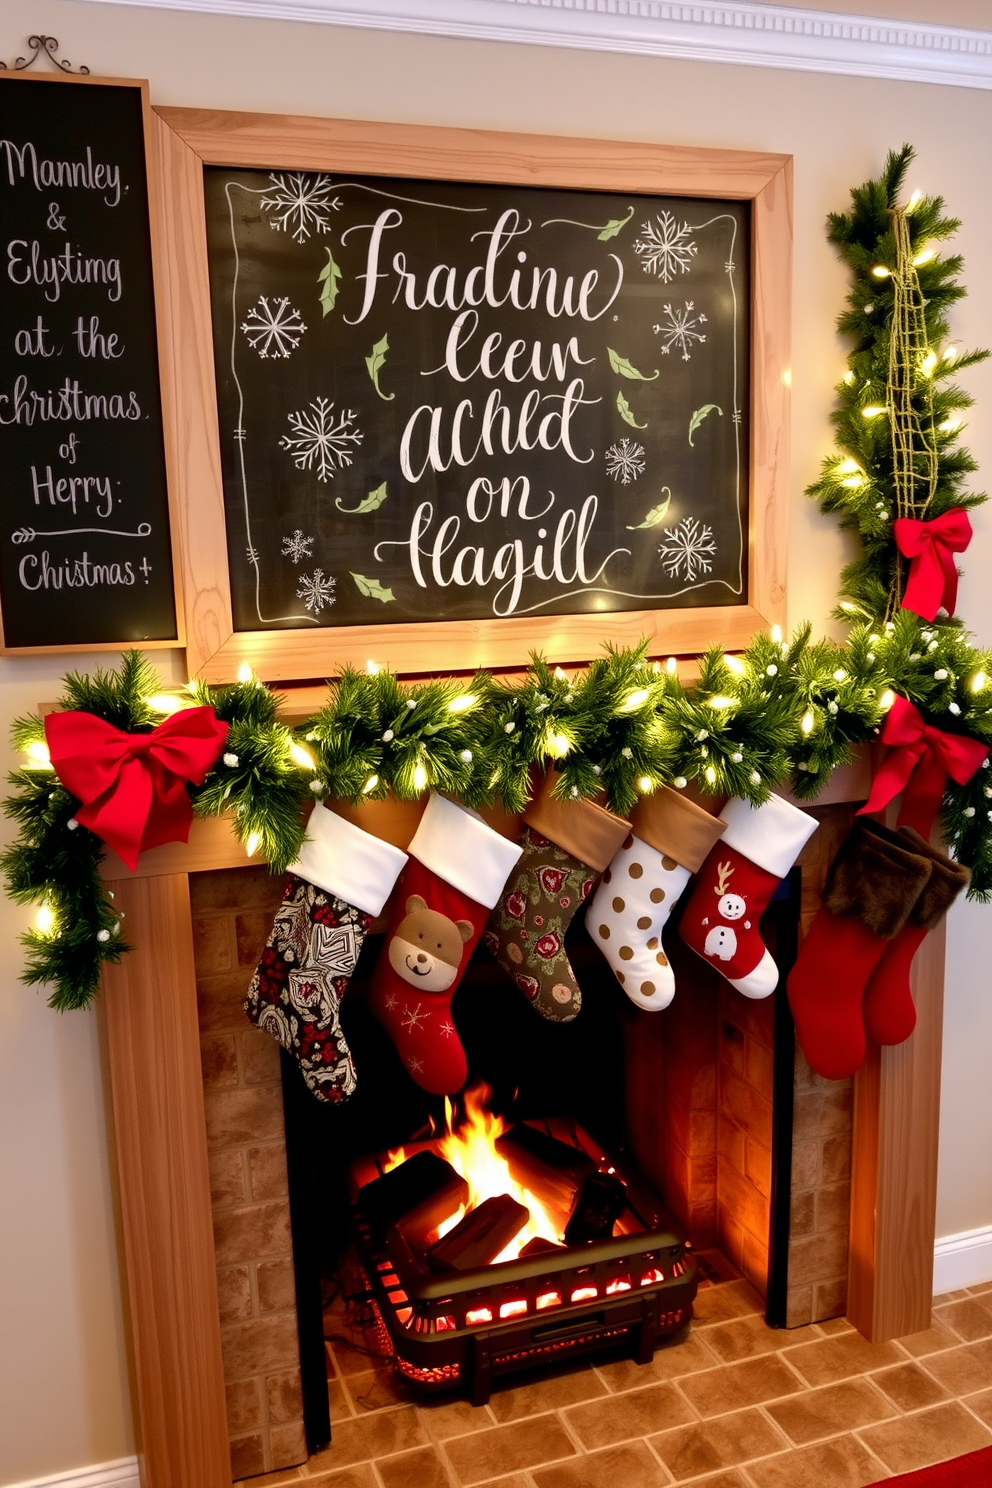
(661, 1125)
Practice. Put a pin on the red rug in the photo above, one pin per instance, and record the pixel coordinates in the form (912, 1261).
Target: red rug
(973, 1471)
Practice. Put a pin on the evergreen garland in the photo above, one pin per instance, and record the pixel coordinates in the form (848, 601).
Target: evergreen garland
(783, 711)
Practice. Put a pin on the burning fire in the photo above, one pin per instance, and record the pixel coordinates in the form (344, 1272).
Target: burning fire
(471, 1151)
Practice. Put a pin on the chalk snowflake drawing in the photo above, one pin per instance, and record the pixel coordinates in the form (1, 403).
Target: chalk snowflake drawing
(665, 249)
(680, 330)
(322, 440)
(273, 330)
(300, 202)
(316, 590)
(688, 549)
(296, 547)
(625, 461)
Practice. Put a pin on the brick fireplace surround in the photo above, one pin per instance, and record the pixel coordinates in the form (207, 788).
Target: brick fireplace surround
(201, 1151)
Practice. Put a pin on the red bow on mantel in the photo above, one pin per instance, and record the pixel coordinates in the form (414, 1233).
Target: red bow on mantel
(933, 576)
(133, 786)
(918, 760)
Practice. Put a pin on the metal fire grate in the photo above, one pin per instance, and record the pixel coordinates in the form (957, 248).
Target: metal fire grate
(465, 1327)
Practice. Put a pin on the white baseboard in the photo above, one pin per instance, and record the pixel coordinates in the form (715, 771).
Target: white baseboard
(120, 1474)
(962, 1260)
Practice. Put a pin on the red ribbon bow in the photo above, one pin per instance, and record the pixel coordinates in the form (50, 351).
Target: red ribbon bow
(918, 760)
(933, 576)
(133, 786)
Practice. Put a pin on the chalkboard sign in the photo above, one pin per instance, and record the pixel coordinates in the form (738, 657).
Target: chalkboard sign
(85, 553)
(450, 401)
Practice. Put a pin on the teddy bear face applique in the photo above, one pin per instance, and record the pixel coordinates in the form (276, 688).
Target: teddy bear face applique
(427, 948)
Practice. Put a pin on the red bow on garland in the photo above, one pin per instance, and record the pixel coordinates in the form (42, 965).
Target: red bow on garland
(133, 786)
(918, 760)
(933, 576)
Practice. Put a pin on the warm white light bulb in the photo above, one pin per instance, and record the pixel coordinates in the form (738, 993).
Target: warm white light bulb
(719, 701)
(886, 700)
(807, 721)
(926, 256)
(245, 673)
(251, 846)
(372, 667)
(951, 354)
(370, 784)
(645, 784)
(978, 681)
(914, 202)
(300, 756)
(735, 665)
(38, 751)
(419, 777)
(671, 666)
(928, 363)
(44, 920)
(873, 410)
(776, 634)
(559, 745)
(460, 704)
(635, 699)
(880, 271)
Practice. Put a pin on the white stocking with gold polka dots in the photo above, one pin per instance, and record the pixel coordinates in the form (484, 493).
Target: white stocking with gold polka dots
(628, 914)
(670, 839)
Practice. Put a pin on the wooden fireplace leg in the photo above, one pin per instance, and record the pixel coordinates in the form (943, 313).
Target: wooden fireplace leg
(154, 1052)
(894, 1166)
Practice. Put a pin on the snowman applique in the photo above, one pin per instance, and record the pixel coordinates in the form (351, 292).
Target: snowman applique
(721, 940)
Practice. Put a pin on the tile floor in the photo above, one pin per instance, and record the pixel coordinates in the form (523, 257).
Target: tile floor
(734, 1405)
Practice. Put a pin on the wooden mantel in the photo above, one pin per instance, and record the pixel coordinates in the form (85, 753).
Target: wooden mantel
(157, 1090)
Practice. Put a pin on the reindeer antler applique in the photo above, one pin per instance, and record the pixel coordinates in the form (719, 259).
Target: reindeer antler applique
(725, 872)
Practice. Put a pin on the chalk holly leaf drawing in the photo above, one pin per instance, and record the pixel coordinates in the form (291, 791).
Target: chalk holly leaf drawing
(656, 515)
(613, 227)
(375, 364)
(624, 410)
(699, 415)
(372, 589)
(369, 503)
(623, 368)
(330, 278)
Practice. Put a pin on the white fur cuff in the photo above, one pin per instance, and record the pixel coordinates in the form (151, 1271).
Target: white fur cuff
(459, 847)
(343, 860)
(772, 836)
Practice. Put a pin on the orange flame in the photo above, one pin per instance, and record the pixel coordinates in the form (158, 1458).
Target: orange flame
(471, 1151)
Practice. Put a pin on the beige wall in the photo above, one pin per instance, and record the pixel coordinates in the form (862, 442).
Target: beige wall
(63, 1389)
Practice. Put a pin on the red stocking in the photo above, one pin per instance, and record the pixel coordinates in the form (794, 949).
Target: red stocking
(458, 866)
(739, 877)
(888, 1010)
(871, 888)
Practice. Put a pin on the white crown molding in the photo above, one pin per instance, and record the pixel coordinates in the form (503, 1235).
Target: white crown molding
(120, 1474)
(963, 1260)
(737, 31)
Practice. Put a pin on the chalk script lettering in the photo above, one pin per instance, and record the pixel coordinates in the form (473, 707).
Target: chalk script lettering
(64, 404)
(29, 263)
(524, 289)
(23, 164)
(37, 572)
(73, 490)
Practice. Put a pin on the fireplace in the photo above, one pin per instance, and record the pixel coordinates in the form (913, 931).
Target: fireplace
(165, 1116)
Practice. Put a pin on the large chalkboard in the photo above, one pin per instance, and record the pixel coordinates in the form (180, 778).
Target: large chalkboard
(450, 401)
(85, 553)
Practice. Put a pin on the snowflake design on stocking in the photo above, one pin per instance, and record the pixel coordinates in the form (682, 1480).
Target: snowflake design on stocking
(300, 202)
(625, 461)
(665, 248)
(321, 439)
(296, 547)
(680, 330)
(688, 549)
(316, 590)
(273, 330)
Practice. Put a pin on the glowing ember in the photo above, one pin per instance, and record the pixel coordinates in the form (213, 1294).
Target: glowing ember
(471, 1152)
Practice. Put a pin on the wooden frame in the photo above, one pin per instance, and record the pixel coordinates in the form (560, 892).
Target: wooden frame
(163, 330)
(188, 139)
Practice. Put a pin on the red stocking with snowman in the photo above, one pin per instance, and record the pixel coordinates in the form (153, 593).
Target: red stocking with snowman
(734, 886)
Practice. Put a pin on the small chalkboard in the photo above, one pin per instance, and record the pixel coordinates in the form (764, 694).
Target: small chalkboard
(450, 401)
(85, 551)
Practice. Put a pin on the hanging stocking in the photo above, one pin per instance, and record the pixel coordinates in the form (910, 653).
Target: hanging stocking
(734, 886)
(873, 884)
(458, 866)
(565, 845)
(334, 890)
(669, 841)
(888, 1010)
